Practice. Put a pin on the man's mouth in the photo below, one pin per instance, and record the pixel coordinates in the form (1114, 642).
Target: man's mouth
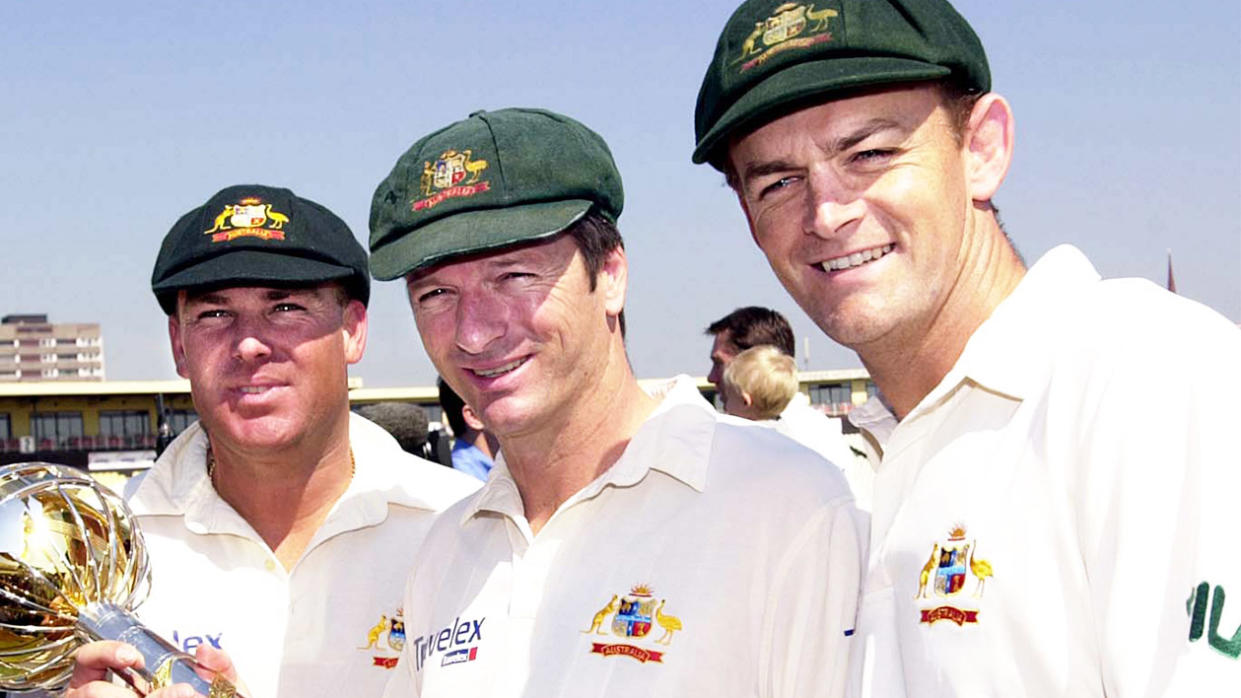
(856, 259)
(254, 389)
(499, 370)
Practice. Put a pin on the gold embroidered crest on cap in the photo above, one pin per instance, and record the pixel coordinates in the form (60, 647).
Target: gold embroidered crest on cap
(952, 564)
(634, 616)
(790, 26)
(446, 178)
(249, 217)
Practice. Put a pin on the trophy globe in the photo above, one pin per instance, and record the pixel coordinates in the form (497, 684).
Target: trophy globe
(73, 566)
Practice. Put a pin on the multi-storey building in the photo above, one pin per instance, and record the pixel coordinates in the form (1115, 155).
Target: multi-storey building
(33, 349)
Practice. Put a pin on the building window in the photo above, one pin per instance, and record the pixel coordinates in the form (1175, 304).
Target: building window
(124, 423)
(831, 394)
(55, 429)
(6, 429)
(871, 389)
(180, 419)
(51, 373)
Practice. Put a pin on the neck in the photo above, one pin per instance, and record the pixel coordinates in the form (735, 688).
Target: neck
(285, 493)
(551, 465)
(909, 366)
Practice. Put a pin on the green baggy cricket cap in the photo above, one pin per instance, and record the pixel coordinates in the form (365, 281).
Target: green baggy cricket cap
(495, 179)
(775, 57)
(251, 234)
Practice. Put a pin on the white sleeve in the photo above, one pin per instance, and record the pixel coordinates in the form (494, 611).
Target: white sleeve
(809, 621)
(1162, 478)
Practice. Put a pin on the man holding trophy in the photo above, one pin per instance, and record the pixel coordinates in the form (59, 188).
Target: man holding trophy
(280, 526)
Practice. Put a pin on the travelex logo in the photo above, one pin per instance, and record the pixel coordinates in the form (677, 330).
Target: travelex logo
(188, 643)
(455, 643)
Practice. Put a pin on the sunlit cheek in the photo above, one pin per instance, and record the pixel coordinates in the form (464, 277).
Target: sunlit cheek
(435, 332)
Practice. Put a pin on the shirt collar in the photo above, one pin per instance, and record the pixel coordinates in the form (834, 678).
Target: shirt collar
(177, 485)
(675, 440)
(1011, 352)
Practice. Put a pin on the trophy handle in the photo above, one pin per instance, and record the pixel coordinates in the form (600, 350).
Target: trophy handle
(164, 664)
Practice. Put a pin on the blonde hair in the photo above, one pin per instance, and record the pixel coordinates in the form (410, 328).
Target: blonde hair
(767, 375)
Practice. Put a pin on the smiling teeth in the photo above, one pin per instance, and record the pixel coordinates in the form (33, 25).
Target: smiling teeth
(856, 259)
(254, 389)
(500, 369)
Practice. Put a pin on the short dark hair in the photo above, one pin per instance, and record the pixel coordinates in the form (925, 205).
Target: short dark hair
(452, 404)
(959, 100)
(597, 237)
(754, 326)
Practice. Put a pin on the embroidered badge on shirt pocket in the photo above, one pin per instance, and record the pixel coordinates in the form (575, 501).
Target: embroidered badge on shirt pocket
(639, 618)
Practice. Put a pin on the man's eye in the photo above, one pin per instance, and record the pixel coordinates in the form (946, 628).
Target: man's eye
(426, 296)
(776, 186)
(213, 313)
(871, 156)
(287, 307)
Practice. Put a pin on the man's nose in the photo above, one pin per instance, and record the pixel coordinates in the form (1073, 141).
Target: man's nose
(831, 205)
(251, 342)
(481, 319)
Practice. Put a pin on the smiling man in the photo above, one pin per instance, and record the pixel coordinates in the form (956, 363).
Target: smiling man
(281, 527)
(625, 543)
(1024, 477)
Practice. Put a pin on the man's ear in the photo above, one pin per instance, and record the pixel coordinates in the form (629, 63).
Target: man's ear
(613, 281)
(471, 418)
(178, 347)
(749, 401)
(988, 146)
(353, 327)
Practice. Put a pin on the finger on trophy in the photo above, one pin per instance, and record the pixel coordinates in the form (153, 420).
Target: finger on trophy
(94, 660)
(213, 662)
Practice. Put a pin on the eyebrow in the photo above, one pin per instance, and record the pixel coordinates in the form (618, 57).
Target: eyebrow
(863, 132)
(753, 171)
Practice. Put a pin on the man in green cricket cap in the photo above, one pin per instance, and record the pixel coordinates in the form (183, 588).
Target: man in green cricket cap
(1039, 529)
(279, 524)
(626, 542)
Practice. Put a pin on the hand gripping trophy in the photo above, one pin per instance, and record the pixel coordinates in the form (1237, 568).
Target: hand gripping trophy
(73, 566)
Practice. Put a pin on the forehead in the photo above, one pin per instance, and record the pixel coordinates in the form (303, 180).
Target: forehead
(559, 248)
(238, 294)
(905, 106)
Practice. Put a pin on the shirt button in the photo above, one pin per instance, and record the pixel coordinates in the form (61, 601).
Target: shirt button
(271, 566)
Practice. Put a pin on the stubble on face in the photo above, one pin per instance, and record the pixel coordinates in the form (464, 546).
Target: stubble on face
(860, 207)
(518, 333)
(267, 366)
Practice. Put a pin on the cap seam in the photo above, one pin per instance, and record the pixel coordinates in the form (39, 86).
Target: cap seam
(501, 161)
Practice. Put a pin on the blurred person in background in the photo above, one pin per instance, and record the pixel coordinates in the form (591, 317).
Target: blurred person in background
(474, 449)
(758, 383)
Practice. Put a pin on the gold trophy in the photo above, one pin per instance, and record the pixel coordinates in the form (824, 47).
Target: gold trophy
(73, 565)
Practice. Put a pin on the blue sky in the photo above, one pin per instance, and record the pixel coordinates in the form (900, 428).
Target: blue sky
(121, 116)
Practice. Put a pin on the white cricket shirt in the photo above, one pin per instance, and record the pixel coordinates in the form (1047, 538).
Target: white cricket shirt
(822, 434)
(714, 558)
(1043, 516)
(330, 627)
